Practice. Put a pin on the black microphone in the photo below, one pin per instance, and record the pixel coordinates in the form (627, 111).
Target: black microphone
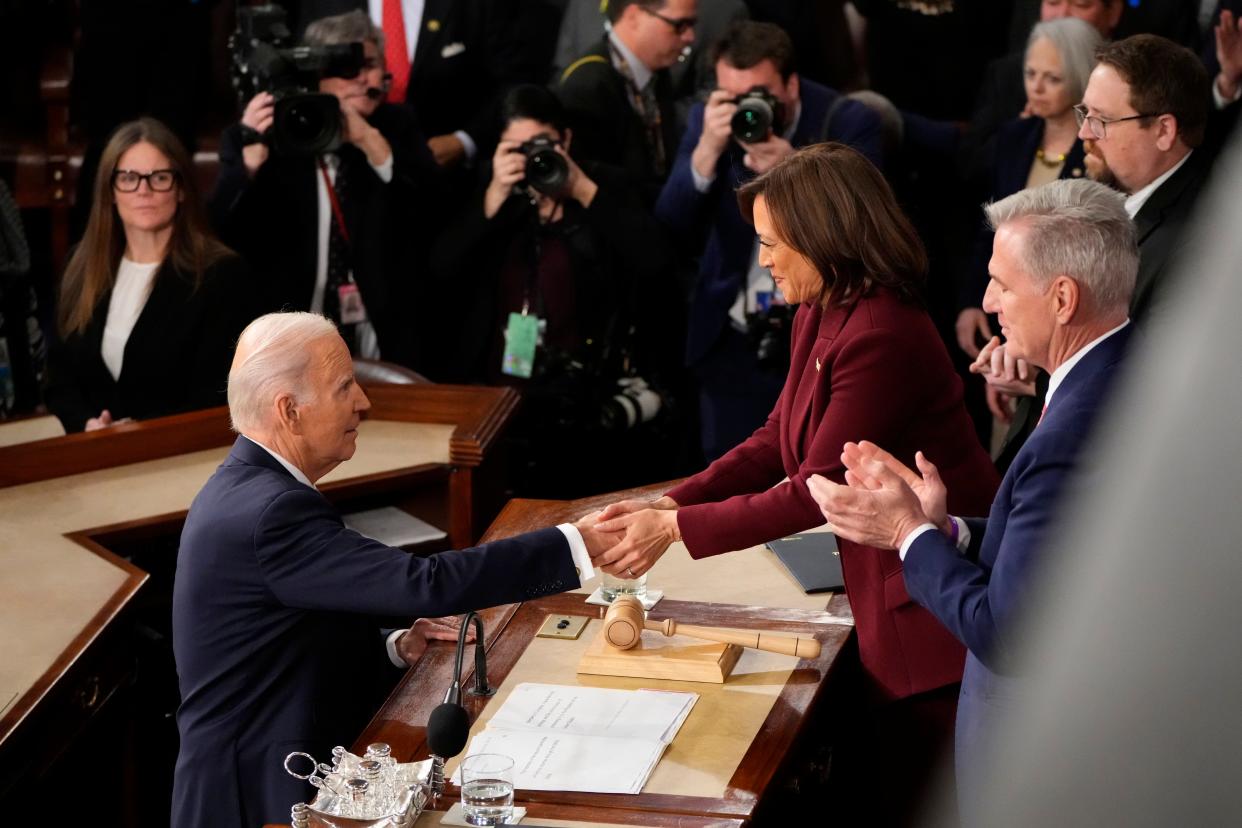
(375, 93)
(448, 727)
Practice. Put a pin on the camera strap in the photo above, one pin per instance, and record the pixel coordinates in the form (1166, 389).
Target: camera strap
(337, 213)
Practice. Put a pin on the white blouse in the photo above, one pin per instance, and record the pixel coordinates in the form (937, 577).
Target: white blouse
(129, 297)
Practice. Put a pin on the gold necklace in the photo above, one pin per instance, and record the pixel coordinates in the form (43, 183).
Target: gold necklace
(1050, 162)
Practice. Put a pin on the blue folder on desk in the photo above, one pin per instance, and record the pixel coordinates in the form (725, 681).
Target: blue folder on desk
(812, 559)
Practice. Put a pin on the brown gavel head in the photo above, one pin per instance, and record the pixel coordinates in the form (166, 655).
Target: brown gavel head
(623, 623)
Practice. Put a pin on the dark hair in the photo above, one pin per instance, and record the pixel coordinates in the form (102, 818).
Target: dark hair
(747, 43)
(92, 267)
(833, 206)
(615, 8)
(1164, 78)
(538, 103)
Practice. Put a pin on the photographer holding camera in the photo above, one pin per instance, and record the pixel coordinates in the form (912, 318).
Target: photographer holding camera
(324, 193)
(738, 339)
(551, 263)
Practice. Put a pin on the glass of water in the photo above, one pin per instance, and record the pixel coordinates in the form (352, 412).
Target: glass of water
(610, 586)
(487, 788)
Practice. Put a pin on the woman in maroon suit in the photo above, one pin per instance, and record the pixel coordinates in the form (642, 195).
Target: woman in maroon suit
(866, 363)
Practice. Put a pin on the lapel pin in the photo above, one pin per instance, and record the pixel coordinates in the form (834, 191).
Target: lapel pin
(817, 363)
(433, 25)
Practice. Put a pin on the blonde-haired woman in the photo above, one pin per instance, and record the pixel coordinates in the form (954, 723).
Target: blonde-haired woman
(150, 303)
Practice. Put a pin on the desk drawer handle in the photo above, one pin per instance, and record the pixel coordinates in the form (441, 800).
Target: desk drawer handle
(88, 695)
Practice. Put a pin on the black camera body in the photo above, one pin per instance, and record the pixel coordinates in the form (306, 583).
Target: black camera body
(546, 169)
(769, 331)
(305, 121)
(759, 113)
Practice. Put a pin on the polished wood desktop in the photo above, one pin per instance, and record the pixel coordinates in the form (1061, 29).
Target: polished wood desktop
(68, 504)
(726, 763)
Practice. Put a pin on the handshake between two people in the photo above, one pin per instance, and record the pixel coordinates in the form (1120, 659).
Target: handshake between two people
(628, 537)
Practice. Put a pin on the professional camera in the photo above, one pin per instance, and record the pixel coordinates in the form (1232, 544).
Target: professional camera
(546, 169)
(769, 331)
(304, 121)
(758, 113)
(634, 403)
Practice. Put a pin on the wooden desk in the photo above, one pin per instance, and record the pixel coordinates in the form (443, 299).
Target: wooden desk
(68, 503)
(761, 595)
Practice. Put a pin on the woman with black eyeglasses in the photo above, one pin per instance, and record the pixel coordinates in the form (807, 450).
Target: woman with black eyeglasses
(150, 303)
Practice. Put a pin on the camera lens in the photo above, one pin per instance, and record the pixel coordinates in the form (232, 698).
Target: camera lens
(546, 170)
(752, 121)
(306, 124)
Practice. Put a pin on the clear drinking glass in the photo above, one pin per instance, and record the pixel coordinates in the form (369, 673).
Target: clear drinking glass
(487, 788)
(611, 586)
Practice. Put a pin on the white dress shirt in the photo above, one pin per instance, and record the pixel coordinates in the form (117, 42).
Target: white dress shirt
(1054, 382)
(368, 342)
(129, 297)
(577, 549)
(1135, 201)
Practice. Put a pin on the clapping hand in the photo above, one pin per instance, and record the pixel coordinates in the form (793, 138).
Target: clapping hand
(926, 485)
(1229, 54)
(877, 508)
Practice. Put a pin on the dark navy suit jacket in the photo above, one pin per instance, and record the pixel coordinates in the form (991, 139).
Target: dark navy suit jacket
(267, 632)
(980, 599)
(715, 214)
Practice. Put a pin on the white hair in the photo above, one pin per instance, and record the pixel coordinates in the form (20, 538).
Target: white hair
(351, 27)
(1075, 228)
(1076, 42)
(277, 355)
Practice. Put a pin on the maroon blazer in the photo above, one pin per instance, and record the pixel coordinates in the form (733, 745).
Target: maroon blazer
(875, 371)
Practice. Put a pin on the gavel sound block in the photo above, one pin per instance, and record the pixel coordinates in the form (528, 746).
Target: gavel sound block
(621, 649)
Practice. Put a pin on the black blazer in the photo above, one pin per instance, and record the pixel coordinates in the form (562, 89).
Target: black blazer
(272, 220)
(606, 127)
(177, 357)
(1161, 225)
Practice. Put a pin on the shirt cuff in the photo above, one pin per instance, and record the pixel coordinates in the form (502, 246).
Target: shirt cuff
(963, 534)
(390, 644)
(384, 171)
(701, 183)
(467, 144)
(577, 548)
(913, 536)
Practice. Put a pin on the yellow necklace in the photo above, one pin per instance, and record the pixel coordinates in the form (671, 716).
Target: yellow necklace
(1050, 162)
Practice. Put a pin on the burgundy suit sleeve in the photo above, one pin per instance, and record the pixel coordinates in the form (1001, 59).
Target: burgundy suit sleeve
(752, 466)
(877, 384)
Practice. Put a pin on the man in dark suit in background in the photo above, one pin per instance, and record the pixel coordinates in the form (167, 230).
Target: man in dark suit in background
(698, 203)
(271, 588)
(1063, 268)
(619, 94)
(343, 233)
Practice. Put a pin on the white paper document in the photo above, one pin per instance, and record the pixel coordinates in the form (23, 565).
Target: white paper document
(392, 526)
(584, 738)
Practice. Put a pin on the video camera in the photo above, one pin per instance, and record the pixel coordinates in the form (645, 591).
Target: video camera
(546, 170)
(759, 112)
(305, 121)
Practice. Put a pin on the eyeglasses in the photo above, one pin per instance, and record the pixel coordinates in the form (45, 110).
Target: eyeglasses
(159, 181)
(1099, 125)
(681, 25)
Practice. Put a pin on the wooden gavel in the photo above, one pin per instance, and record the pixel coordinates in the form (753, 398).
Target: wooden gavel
(625, 621)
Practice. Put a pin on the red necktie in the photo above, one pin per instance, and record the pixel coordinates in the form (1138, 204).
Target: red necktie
(396, 54)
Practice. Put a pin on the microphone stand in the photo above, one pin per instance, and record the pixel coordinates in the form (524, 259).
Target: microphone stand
(450, 717)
